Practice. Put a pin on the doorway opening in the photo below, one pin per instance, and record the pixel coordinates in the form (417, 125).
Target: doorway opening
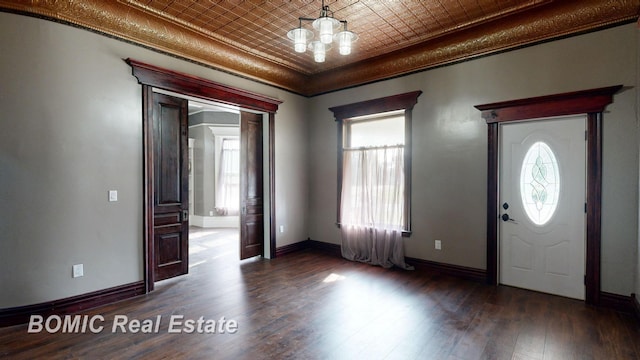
(165, 176)
(214, 182)
(221, 187)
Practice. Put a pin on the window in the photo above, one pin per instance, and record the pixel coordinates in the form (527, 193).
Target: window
(373, 171)
(374, 166)
(540, 183)
(228, 183)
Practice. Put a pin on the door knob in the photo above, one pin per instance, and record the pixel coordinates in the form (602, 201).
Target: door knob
(505, 217)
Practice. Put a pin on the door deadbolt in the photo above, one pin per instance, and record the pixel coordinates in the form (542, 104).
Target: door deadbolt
(505, 217)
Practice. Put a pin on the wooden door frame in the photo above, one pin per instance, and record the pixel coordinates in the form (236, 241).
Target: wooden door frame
(590, 102)
(150, 77)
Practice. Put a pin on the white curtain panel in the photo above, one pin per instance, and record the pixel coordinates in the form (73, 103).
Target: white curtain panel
(372, 206)
(228, 189)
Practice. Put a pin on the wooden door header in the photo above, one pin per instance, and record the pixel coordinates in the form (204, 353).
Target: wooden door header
(199, 87)
(578, 102)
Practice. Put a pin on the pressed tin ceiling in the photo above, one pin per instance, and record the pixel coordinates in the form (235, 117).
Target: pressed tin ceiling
(248, 37)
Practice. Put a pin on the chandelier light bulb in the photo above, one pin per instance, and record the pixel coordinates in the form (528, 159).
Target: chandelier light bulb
(326, 31)
(319, 51)
(345, 39)
(300, 37)
(300, 41)
(326, 26)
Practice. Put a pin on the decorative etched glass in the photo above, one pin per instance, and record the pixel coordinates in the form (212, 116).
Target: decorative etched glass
(540, 183)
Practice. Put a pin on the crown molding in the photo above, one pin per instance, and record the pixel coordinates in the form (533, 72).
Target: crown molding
(552, 20)
(544, 23)
(133, 24)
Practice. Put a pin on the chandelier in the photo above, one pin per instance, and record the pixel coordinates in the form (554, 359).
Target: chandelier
(326, 25)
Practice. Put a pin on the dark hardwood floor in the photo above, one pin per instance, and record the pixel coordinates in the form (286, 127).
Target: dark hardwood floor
(313, 305)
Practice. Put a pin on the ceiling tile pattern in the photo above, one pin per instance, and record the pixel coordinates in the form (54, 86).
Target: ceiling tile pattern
(260, 26)
(396, 37)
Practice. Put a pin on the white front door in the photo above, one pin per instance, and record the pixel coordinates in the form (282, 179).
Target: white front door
(542, 205)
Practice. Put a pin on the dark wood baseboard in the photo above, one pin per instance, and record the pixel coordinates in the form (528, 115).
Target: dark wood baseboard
(636, 306)
(617, 302)
(468, 273)
(333, 249)
(288, 249)
(21, 314)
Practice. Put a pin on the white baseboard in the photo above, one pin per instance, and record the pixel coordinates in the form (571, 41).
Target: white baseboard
(214, 221)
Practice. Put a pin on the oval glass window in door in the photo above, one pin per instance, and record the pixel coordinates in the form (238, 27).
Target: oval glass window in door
(540, 183)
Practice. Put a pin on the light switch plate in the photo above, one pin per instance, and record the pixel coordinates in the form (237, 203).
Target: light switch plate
(78, 270)
(113, 195)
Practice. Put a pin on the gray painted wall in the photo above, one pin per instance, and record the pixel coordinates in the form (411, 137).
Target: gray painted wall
(450, 146)
(203, 170)
(637, 85)
(204, 157)
(72, 131)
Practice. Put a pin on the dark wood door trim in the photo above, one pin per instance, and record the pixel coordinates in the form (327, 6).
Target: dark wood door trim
(150, 76)
(272, 186)
(252, 212)
(195, 86)
(148, 186)
(590, 102)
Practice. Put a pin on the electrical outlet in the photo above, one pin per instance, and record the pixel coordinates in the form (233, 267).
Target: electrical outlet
(78, 270)
(281, 228)
(438, 245)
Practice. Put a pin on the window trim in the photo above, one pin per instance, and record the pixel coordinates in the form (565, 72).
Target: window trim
(406, 102)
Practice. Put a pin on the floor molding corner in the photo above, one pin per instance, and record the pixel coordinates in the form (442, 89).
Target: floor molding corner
(333, 249)
(617, 302)
(288, 249)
